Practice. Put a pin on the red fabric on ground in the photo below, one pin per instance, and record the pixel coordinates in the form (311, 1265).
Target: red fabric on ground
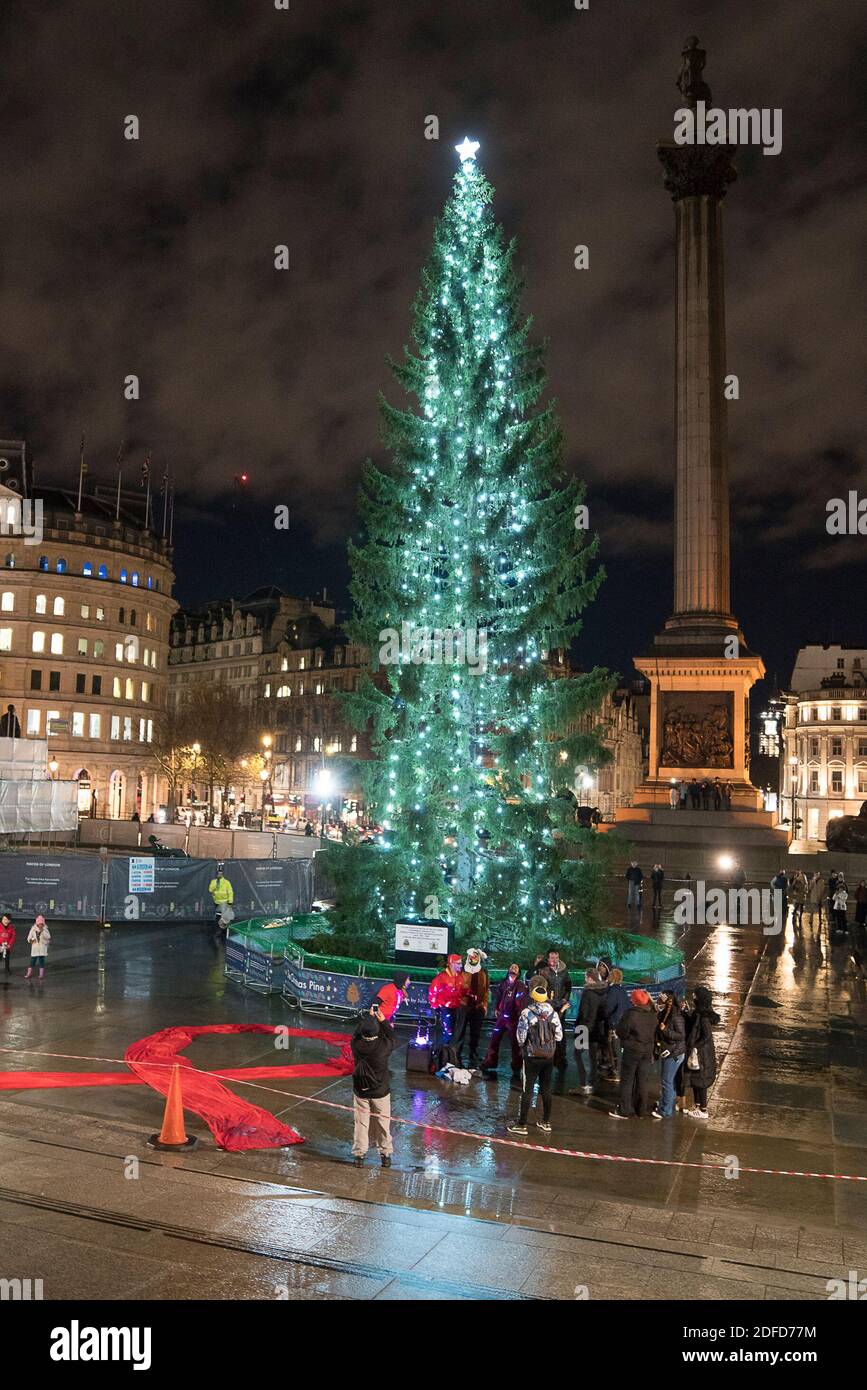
(235, 1123)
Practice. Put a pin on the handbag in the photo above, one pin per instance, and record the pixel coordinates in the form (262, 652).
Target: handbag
(692, 1061)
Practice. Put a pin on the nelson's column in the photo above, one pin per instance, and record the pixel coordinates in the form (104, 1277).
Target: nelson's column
(700, 667)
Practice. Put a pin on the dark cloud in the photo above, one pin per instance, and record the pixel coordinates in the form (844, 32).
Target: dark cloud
(306, 127)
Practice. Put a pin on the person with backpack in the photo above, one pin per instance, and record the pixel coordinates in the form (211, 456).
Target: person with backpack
(637, 1032)
(589, 1031)
(700, 1065)
(372, 1044)
(38, 936)
(539, 1032)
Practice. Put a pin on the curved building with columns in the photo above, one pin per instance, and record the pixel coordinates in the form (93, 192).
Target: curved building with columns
(85, 607)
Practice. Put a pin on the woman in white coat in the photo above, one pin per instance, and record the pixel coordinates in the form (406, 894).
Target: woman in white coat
(39, 937)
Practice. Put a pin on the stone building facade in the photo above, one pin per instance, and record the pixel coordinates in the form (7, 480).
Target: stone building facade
(824, 752)
(84, 635)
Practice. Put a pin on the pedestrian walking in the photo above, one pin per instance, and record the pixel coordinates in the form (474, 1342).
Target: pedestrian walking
(637, 1032)
(614, 1006)
(657, 879)
(513, 995)
(832, 888)
(634, 879)
(559, 982)
(816, 896)
(700, 1051)
(39, 938)
(780, 884)
(671, 1046)
(589, 1031)
(372, 1044)
(222, 895)
(861, 903)
(798, 889)
(540, 1031)
(7, 941)
(840, 906)
(473, 1010)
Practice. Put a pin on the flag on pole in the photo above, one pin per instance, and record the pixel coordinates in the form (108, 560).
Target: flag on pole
(119, 476)
(146, 478)
(82, 470)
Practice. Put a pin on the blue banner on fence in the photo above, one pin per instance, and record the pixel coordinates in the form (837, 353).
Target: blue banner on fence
(320, 987)
(59, 885)
(178, 889)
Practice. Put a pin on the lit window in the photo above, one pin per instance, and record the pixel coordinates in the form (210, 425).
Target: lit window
(50, 717)
(129, 695)
(103, 572)
(353, 743)
(118, 651)
(82, 646)
(123, 576)
(127, 728)
(59, 607)
(8, 602)
(77, 724)
(57, 644)
(141, 731)
(150, 582)
(98, 648)
(134, 580)
(43, 562)
(150, 730)
(85, 610)
(33, 723)
(87, 569)
(100, 615)
(41, 603)
(38, 642)
(115, 726)
(6, 639)
(93, 726)
(145, 692)
(10, 561)
(61, 566)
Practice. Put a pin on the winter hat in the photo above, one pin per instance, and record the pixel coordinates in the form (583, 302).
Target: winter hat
(369, 1028)
(639, 997)
(539, 989)
(703, 997)
(474, 960)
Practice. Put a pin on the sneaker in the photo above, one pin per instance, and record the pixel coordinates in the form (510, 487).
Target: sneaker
(517, 1128)
(358, 1162)
(385, 1160)
(616, 1115)
(696, 1113)
(544, 1126)
(655, 1115)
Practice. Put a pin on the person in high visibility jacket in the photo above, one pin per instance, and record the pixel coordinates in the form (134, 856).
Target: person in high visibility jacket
(223, 895)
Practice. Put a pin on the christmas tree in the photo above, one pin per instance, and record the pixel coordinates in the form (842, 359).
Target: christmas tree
(471, 575)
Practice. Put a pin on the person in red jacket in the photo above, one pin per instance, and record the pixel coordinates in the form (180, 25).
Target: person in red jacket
(7, 941)
(391, 996)
(447, 993)
(513, 995)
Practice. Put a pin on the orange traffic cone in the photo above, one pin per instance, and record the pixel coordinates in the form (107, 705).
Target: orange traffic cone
(173, 1136)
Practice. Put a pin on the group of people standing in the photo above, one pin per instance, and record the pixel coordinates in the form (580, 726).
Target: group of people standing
(38, 939)
(701, 795)
(811, 894)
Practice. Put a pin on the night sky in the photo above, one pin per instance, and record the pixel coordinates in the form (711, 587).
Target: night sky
(261, 126)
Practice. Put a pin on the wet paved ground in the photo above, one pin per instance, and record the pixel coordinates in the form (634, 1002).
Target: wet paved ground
(456, 1216)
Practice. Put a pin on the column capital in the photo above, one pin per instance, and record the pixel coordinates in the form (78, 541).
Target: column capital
(695, 170)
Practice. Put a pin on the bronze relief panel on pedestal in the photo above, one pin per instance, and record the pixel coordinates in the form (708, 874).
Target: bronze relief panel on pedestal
(696, 728)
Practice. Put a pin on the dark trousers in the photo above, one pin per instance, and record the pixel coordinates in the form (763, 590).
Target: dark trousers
(635, 1072)
(657, 895)
(8, 960)
(492, 1056)
(468, 1020)
(699, 1095)
(536, 1069)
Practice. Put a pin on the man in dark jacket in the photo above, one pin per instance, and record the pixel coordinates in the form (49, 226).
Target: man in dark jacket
(634, 879)
(559, 982)
(614, 1006)
(699, 1039)
(589, 1031)
(513, 995)
(671, 1041)
(657, 878)
(372, 1044)
(637, 1031)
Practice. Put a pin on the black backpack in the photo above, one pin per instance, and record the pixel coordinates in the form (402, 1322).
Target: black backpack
(541, 1043)
(443, 1056)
